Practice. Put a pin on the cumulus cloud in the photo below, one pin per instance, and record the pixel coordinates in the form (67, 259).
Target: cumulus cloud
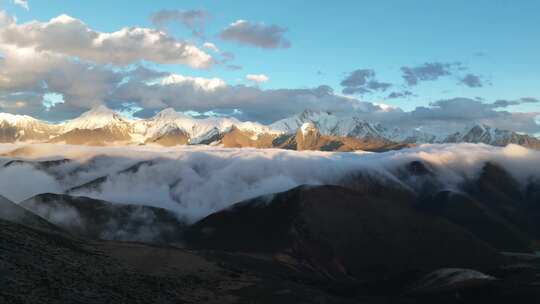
(196, 181)
(192, 19)
(257, 78)
(69, 36)
(22, 3)
(256, 34)
(362, 81)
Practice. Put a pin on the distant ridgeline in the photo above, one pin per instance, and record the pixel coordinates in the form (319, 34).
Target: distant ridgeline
(309, 130)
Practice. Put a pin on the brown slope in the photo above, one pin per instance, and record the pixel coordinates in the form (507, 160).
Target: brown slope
(95, 137)
(171, 138)
(340, 232)
(236, 138)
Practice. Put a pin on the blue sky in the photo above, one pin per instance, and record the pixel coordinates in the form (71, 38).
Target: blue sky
(496, 41)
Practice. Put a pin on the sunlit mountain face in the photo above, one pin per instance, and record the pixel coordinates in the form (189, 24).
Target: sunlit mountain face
(218, 152)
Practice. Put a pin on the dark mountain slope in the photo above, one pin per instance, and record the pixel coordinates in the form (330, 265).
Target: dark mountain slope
(340, 232)
(99, 219)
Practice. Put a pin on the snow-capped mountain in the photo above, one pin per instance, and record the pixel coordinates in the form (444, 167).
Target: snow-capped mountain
(411, 136)
(350, 126)
(24, 128)
(102, 126)
(99, 126)
(481, 133)
(198, 130)
(330, 124)
(97, 118)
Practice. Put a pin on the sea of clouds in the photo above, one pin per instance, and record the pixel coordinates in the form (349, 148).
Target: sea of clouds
(194, 181)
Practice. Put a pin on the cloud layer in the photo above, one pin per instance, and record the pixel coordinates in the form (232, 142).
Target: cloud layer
(196, 181)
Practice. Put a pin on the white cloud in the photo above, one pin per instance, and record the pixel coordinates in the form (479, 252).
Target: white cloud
(210, 46)
(22, 3)
(258, 78)
(205, 84)
(196, 181)
(68, 36)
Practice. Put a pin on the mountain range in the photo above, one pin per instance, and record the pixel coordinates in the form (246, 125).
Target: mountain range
(309, 130)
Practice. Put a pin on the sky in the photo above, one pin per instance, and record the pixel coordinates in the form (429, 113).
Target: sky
(420, 64)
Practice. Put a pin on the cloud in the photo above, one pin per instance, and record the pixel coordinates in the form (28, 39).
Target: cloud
(472, 81)
(233, 67)
(256, 34)
(22, 3)
(429, 71)
(257, 78)
(196, 181)
(19, 182)
(362, 81)
(71, 37)
(198, 83)
(253, 103)
(455, 113)
(210, 46)
(192, 19)
(503, 103)
(31, 69)
(402, 94)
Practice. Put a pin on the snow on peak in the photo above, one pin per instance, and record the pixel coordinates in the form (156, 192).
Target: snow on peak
(308, 127)
(14, 119)
(170, 114)
(96, 118)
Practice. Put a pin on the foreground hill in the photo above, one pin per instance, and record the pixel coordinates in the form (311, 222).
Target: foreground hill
(338, 232)
(323, 244)
(12, 212)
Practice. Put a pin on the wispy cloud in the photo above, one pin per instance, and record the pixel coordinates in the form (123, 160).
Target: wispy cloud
(256, 34)
(362, 81)
(192, 19)
(22, 3)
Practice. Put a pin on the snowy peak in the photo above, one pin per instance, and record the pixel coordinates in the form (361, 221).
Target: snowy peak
(308, 128)
(23, 128)
(96, 118)
(102, 125)
(330, 124)
(169, 114)
(14, 119)
(482, 133)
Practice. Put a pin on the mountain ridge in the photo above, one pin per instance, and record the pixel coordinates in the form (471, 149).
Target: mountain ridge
(103, 126)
